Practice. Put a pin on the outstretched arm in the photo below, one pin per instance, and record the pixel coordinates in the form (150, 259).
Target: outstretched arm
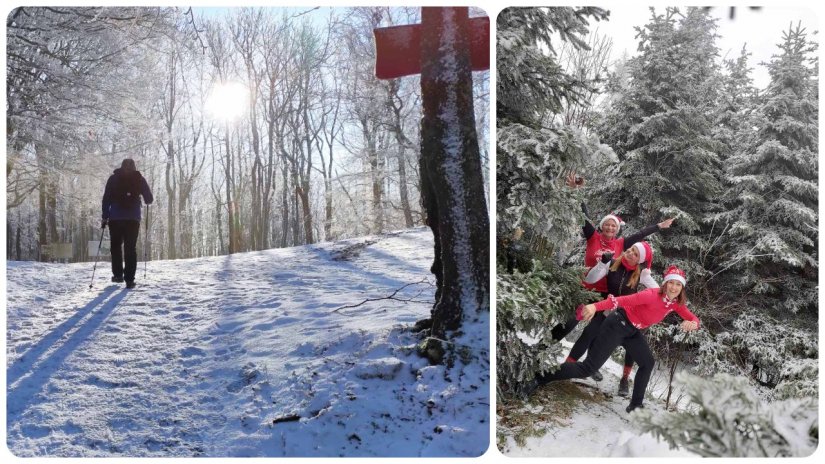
(588, 229)
(613, 302)
(638, 236)
(691, 322)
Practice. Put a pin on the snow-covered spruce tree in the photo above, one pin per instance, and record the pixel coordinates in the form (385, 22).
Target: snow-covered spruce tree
(661, 127)
(772, 259)
(737, 100)
(781, 357)
(528, 304)
(533, 157)
(729, 419)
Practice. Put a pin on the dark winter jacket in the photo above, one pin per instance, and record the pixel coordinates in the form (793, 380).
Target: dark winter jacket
(121, 199)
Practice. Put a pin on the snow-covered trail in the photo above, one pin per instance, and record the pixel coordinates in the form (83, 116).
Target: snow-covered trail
(595, 428)
(241, 355)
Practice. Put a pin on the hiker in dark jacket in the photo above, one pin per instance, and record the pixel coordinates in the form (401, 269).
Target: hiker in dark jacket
(121, 211)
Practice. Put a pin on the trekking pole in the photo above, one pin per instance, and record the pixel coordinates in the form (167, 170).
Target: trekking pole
(145, 242)
(102, 232)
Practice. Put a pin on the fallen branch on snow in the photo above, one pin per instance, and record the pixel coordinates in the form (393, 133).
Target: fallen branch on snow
(390, 297)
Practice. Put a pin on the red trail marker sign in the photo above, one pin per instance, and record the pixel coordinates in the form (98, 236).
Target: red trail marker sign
(398, 48)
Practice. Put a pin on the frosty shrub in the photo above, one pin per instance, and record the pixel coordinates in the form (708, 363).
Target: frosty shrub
(771, 350)
(534, 156)
(675, 349)
(731, 420)
(528, 305)
(799, 379)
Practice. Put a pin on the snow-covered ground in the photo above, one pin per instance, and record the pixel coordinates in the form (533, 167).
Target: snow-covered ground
(600, 428)
(243, 355)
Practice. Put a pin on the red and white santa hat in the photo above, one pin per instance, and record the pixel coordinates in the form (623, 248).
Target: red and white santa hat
(616, 218)
(674, 273)
(645, 253)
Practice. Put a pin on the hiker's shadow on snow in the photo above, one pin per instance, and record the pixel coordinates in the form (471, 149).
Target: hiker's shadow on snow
(26, 377)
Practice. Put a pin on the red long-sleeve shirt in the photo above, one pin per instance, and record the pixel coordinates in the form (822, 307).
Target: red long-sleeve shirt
(646, 308)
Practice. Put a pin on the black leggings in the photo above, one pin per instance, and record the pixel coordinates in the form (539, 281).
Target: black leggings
(588, 336)
(124, 233)
(614, 331)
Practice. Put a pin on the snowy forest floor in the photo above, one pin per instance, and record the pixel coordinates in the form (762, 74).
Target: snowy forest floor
(578, 418)
(242, 355)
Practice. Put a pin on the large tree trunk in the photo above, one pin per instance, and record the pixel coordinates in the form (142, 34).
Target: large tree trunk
(451, 160)
(327, 208)
(395, 104)
(42, 229)
(285, 211)
(51, 207)
(377, 176)
(403, 189)
(230, 210)
(171, 195)
(18, 252)
(303, 195)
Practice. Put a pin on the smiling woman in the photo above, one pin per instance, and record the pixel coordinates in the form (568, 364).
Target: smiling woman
(227, 101)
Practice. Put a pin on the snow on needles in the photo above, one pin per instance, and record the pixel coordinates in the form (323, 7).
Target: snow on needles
(252, 354)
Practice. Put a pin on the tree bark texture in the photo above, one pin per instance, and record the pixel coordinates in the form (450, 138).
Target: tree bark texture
(451, 169)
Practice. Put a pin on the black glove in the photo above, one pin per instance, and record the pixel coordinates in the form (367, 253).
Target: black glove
(103, 223)
(606, 257)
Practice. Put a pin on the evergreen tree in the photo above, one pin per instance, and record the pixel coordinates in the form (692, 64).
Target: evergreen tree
(661, 127)
(533, 158)
(773, 257)
(729, 419)
(665, 122)
(736, 106)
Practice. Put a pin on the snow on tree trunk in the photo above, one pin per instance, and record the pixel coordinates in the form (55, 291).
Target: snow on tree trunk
(451, 170)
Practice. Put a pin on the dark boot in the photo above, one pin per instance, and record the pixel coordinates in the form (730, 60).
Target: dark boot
(631, 407)
(529, 388)
(117, 279)
(130, 284)
(597, 376)
(624, 389)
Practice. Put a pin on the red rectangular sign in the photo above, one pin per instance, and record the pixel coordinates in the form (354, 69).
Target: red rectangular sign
(398, 48)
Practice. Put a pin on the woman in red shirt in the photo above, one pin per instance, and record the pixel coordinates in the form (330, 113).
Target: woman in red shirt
(633, 312)
(598, 242)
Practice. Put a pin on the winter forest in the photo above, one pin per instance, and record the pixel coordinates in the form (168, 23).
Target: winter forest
(304, 269)
(255, 128)
(674, 131)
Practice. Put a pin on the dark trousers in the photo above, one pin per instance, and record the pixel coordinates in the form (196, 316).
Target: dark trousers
(588, 336)
(614, 331)
(560, 331)
(124, 235)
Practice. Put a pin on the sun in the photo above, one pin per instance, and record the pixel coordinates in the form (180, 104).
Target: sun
(227, 101)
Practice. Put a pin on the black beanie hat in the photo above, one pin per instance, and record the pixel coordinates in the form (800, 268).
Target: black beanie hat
(128, 165)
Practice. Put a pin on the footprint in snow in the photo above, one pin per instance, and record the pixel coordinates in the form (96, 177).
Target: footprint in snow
(264, 327)
(108, 384)
(192, 351)
(35, 431)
